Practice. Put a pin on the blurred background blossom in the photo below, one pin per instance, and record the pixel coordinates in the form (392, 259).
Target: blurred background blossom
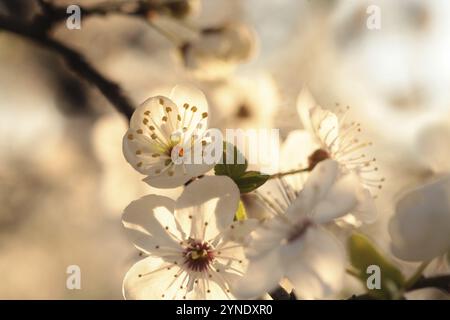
(63, 179)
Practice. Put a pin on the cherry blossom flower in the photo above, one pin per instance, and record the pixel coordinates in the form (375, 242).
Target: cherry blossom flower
(118, 185)
(420, 227)
(294, 243)
(194, 248)
(164, 133)
(329, 135)
(216, 52)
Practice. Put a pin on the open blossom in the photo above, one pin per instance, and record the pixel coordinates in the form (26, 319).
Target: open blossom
(294, 244)
(420, 227)
(217, 51)
(164, 132)
(194, 248)
(329, 135)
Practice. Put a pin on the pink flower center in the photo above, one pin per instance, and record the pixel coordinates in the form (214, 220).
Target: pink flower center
(198, 255)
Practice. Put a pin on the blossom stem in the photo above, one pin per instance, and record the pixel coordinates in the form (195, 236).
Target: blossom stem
(287, 173)
(353, 272)
(169, 36)
(417, 275)
(74, 60)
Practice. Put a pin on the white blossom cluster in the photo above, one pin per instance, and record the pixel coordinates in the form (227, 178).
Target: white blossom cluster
(195, 248)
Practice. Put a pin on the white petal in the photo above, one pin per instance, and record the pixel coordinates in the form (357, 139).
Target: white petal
(305, 103)
(326, 126)
(263, 275)
(323, 124)
(210, 203)
(230, 257)
(269, 235)
(328, 194)
(314, 264)
(134, 143)
(296, 149)
(239, 231)
(195, 170)
(229, 266)
(169, 178)
(316, 187)
(209, 289)
(146, 220)
(366, 211)
(340, 199)
(153, 111)
(181, 95)
(433, 148)
(322, 178)
(152, 278)
(420, 228)
(194, 158)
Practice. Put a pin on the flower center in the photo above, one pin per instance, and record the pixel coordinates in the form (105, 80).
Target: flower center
(316, 157)
(198, 255)
(299, 230)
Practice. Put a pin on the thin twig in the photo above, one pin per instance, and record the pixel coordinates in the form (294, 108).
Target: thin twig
(282, 174)
(75, 61)
(438, 282)
(136, 8)
(417, 275)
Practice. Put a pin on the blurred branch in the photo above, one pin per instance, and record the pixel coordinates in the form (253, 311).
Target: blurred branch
(138, 8)
(75, 61)
(437, 282)
(54, 14)
(45, 6)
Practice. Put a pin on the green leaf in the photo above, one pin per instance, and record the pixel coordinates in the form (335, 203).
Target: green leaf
(231, 167)
(247, 181)
(364, 254)
(241, 213)
(251, 180)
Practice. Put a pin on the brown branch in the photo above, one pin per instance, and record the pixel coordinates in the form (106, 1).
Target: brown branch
(75, 61)
(138, 8)
(437, 282)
